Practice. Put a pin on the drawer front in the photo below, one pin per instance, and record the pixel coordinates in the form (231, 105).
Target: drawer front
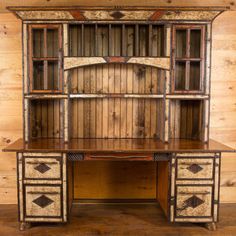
(195, 168)
(43, 201)
(118, 156)
(42, 168)
(193, 201)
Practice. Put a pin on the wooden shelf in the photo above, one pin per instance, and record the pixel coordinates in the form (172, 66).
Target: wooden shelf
(187, 96)
(154, 96)
(116, 145)
(46, 96)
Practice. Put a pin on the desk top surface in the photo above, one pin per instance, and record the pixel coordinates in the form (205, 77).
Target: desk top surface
(116, 145)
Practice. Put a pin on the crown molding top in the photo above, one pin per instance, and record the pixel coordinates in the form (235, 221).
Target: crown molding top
(117, 13)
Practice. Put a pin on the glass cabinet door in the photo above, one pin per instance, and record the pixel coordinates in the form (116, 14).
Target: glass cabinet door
(45, 48)
(188, 58)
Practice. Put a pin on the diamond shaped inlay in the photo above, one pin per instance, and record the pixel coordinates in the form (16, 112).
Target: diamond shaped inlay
(117, 15)
(43, 201)
(42, 168)
(194, 168)
(193, 202)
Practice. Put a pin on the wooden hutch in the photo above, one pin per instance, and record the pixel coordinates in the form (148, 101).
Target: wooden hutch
(117, 83)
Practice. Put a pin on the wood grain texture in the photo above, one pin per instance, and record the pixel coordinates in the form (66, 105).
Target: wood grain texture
(100, 217)
(222, 100)
(117, 180)
(91, 145)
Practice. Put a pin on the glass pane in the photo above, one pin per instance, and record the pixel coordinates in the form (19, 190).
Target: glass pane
(195, 43)
(89, 40)
(52, 43)
(103, 37)
(180, 75)
(143, 40)
(194, 82)
(181, 43)
(38, 44)
(38, 75)
(53, 75)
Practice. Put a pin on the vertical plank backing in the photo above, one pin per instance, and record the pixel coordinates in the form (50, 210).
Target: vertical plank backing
(117, 117)
(117, 101)
(111, 101)
(136, 76)
(93, 102)
(129, 102)
(105, 88)
(130, 40)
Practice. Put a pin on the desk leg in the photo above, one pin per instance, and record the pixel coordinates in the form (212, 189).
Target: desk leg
(24, 226)
(211, 226)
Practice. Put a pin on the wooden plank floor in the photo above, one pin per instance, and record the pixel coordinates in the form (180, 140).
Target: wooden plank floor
(117, 219)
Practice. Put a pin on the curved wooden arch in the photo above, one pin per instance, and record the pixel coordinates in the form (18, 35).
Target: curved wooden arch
(74, 62)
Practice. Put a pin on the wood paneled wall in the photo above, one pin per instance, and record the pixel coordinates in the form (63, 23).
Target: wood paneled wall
(223, 115)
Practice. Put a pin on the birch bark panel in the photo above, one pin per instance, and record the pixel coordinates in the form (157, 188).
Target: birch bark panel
(203, 193)
(35, 192)
(32, 168)
(192, 168)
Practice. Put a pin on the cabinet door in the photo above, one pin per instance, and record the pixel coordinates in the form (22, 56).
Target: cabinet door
(188, 58)
(45, 58)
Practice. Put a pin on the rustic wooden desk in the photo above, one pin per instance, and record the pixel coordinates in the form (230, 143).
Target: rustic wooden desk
(117, 83)
(187, 184)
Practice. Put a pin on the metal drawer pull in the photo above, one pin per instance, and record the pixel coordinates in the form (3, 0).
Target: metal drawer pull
(48, 193)
(194, 193)
(118, 157)
(43, 162)
(194, 163)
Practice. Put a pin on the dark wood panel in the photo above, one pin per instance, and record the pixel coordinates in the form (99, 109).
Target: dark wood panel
(186, 119)
(115, 40)
(45, 119)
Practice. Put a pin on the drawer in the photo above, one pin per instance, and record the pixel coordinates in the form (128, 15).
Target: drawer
(43, 201)
(42, 167)
(193, 201)
(118, 157)
(195, 168)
